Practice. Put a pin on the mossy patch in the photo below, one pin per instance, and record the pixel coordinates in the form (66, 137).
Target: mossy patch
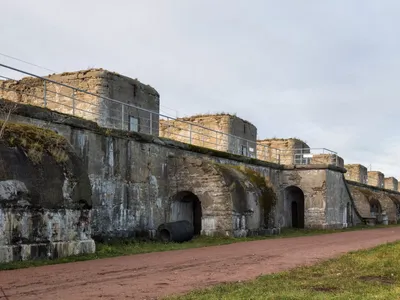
(35, 141)
(267, 198)
(268, 195)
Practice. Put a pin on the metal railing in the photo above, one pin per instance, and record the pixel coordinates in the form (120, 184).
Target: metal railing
(112, 113)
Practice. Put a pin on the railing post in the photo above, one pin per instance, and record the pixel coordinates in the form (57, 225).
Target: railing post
(44, 94)
(279, 156)
(73, 102)
(151, 123)
(216, 140)
(123, 117)
(190, 133)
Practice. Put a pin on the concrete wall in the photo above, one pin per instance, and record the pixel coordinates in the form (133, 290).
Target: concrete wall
(290, 152)
(135, 179)
(391, 183)
(95, 108)
(44, 202)
(228, 133)
(376, 178)
(327, 159)
(357, 173)
(365, 196)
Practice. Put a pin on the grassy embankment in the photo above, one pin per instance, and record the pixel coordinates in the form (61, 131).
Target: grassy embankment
(367, 274)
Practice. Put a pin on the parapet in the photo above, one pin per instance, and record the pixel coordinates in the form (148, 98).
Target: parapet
(356, 172)
(391, 183)
(376, 178)
(291, 150)
(93, 106)
(223, 132)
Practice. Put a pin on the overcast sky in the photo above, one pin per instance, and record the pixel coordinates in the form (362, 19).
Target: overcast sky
(323, 71)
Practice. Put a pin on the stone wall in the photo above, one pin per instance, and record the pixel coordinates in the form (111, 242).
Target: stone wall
(284, 151)
(99, 82)
(327, 159)
(221, 132)
(45, 197)
(357, 173)
(376, 178)
(391, 183)
(135, 177)
(367, 198)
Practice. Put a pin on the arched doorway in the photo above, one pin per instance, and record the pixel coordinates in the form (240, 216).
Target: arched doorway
(375, 209)
(187, 206)
(295, 199)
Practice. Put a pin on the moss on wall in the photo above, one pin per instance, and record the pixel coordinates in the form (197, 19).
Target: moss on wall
(35, 141)
(267, 199)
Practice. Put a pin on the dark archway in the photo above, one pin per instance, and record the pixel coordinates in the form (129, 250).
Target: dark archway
(187, 206)
(295, 199)
(375, 208)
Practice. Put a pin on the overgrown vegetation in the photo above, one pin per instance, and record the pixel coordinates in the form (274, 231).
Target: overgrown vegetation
(128, 247)
(35, 141)
(368, 274)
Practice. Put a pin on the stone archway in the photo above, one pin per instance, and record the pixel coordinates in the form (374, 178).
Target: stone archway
(186, 205)
(294, 198)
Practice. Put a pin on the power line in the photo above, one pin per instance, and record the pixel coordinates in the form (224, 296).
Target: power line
(32, 64)
(26, 62)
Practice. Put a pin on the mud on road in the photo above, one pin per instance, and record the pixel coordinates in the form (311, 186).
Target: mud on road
(154, 275)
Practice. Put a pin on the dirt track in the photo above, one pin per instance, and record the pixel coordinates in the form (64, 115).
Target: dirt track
(152, 275)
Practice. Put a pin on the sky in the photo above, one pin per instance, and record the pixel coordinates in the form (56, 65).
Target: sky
(322, 71)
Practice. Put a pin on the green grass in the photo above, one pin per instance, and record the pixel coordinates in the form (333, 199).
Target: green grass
(368, 274)
(124, 247)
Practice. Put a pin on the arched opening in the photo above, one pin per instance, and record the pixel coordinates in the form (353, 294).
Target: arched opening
(187, 206)
(295, 199)
(375, 208)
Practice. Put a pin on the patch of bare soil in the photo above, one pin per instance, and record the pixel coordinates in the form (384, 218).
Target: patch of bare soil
(154, 275)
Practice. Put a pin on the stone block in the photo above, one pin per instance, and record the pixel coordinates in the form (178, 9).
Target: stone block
(357, 173)
(221, 132)
(391, 183)
(376, 178)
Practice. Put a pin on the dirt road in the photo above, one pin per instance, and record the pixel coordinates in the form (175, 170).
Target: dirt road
(148, 276)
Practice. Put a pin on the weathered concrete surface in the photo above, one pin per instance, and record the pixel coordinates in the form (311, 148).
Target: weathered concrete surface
(290, 151)
(327, 159)
(326, 201)
(371, 202)
(357, 173)
(376, 178)
(100, 82)
(391, 183)
(221, 132)
(44, 206)
(138, 182)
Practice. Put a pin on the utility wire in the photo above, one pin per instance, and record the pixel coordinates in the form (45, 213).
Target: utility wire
(26, 62)
(32, 64)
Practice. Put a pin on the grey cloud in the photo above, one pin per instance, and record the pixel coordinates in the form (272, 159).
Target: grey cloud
(325, 71)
